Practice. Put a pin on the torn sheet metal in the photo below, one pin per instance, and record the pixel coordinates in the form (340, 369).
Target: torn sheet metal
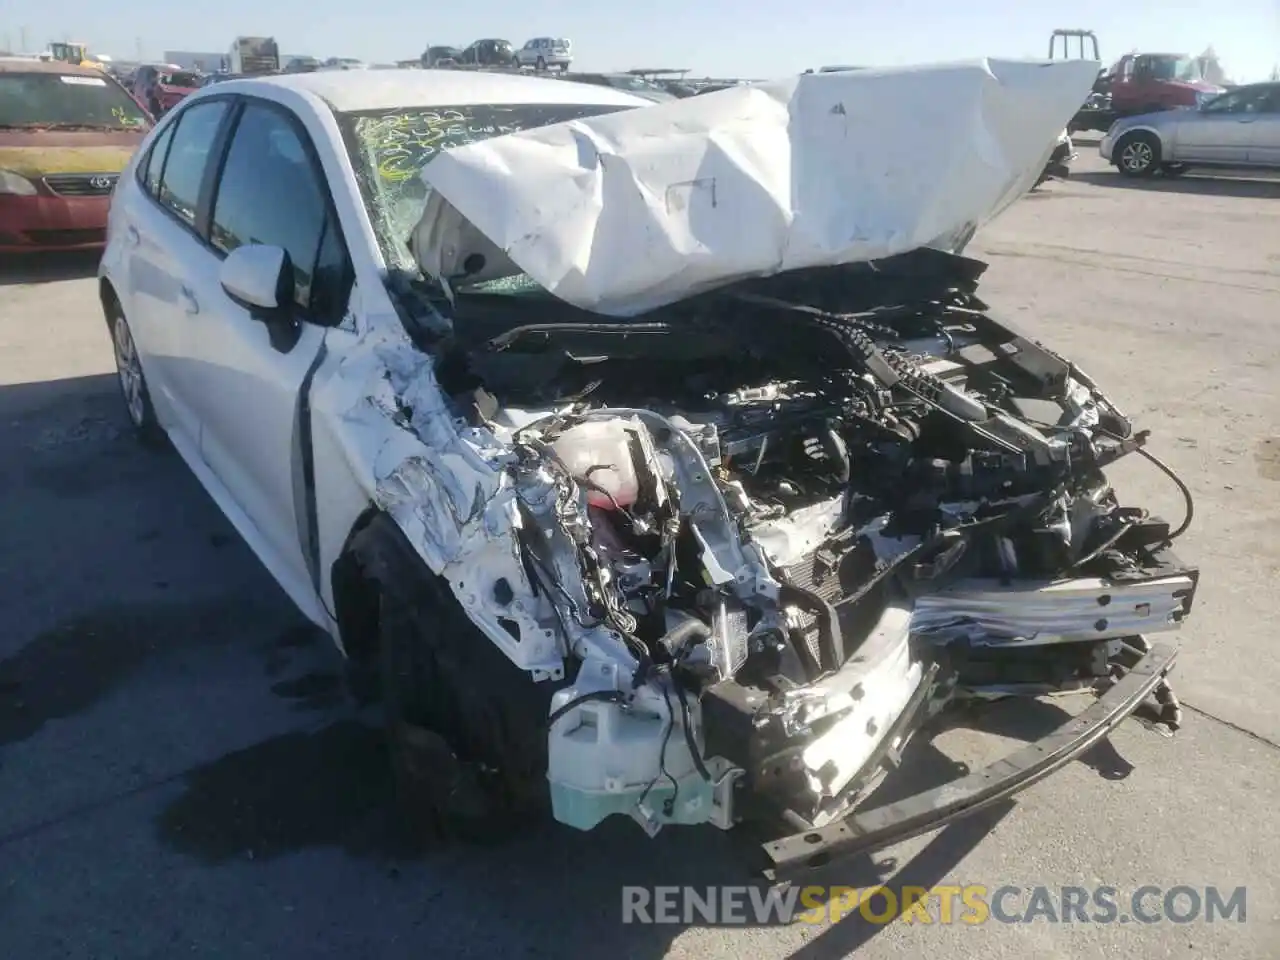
(625, 212)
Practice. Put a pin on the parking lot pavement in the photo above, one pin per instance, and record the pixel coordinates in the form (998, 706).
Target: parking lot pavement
(180, 774)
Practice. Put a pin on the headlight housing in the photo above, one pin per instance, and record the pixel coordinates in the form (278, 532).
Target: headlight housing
(15, 184)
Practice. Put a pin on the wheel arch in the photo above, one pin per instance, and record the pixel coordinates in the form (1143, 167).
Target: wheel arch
(1141, 128)
(108, 297)
(375, 554)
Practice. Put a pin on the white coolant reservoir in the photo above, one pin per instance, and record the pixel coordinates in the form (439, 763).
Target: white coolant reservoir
(599, 451)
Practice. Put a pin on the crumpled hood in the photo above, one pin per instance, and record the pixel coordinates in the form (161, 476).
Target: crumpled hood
(626, 212)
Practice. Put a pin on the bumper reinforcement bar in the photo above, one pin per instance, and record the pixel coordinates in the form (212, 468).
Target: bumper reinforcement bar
(861, 832)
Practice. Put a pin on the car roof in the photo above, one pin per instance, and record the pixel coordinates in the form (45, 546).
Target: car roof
(23, 65)
(388, 89)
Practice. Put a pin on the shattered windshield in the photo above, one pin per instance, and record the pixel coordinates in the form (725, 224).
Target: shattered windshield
(64, 100)
(389, 148)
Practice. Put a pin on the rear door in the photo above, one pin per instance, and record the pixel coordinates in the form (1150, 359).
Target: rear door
(248, 385)
(164, 248)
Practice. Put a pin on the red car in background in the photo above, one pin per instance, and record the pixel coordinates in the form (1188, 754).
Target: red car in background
(160, 89)
(66, 132)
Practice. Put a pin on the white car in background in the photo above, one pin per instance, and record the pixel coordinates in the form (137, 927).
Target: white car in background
(626, 516)
(545, 53)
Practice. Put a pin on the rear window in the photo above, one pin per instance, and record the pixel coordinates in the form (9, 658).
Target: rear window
(63, 100)
(180, 80)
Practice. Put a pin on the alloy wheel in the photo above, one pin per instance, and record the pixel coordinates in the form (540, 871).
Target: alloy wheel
(1137, 156)
(129, 370)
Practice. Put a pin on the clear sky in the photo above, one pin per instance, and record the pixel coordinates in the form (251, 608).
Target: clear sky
(746, 38)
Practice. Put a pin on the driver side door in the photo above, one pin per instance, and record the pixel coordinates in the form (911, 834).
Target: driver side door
(1220, 132)
(252, 370)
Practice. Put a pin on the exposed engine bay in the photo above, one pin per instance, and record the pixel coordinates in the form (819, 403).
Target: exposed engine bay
(783, 523)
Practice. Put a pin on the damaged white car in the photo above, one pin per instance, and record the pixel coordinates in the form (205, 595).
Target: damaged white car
(657, 460)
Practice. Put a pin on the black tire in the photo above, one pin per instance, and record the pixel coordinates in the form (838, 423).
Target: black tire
(1137, 154)
(540, 65)
(466, 728)
(133, 381)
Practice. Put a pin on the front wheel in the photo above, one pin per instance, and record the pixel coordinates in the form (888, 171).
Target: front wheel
(466, 728)
(1138, 154)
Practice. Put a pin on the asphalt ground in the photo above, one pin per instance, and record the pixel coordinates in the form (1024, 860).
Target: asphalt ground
(180, 774)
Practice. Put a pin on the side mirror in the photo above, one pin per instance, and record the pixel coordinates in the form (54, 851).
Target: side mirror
(259, 278)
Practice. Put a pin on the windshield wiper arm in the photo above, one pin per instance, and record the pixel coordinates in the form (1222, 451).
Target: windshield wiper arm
(614, 328)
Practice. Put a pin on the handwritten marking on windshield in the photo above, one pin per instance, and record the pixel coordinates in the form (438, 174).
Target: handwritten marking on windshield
(403, 143)
(122, 117)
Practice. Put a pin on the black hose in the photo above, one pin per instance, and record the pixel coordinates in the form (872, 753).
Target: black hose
(675, 638)
(1185, 490)
(687, 717)
(1168, 472)
(601, 696)
(670, 804)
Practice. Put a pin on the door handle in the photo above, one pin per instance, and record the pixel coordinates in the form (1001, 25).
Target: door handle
(189, 302)
(132, 236)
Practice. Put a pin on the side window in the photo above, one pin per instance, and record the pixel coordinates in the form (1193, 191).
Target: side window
(155, 159)
(1256, 102)
(270, 193)
(1226, 103)
(1239, 101)
(189, 156)
(1259, 100)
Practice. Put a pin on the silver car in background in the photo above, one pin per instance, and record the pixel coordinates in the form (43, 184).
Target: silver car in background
(1239, 128)
(544, 53)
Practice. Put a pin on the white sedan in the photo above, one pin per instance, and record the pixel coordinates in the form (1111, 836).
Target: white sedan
(648, 461)
(245, 284)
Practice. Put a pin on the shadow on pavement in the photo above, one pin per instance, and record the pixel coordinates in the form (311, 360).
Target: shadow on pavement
(332, 787)
(1031, 720)
(327, 784)
(1203, 185)
(69, 668)
(48, 267)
